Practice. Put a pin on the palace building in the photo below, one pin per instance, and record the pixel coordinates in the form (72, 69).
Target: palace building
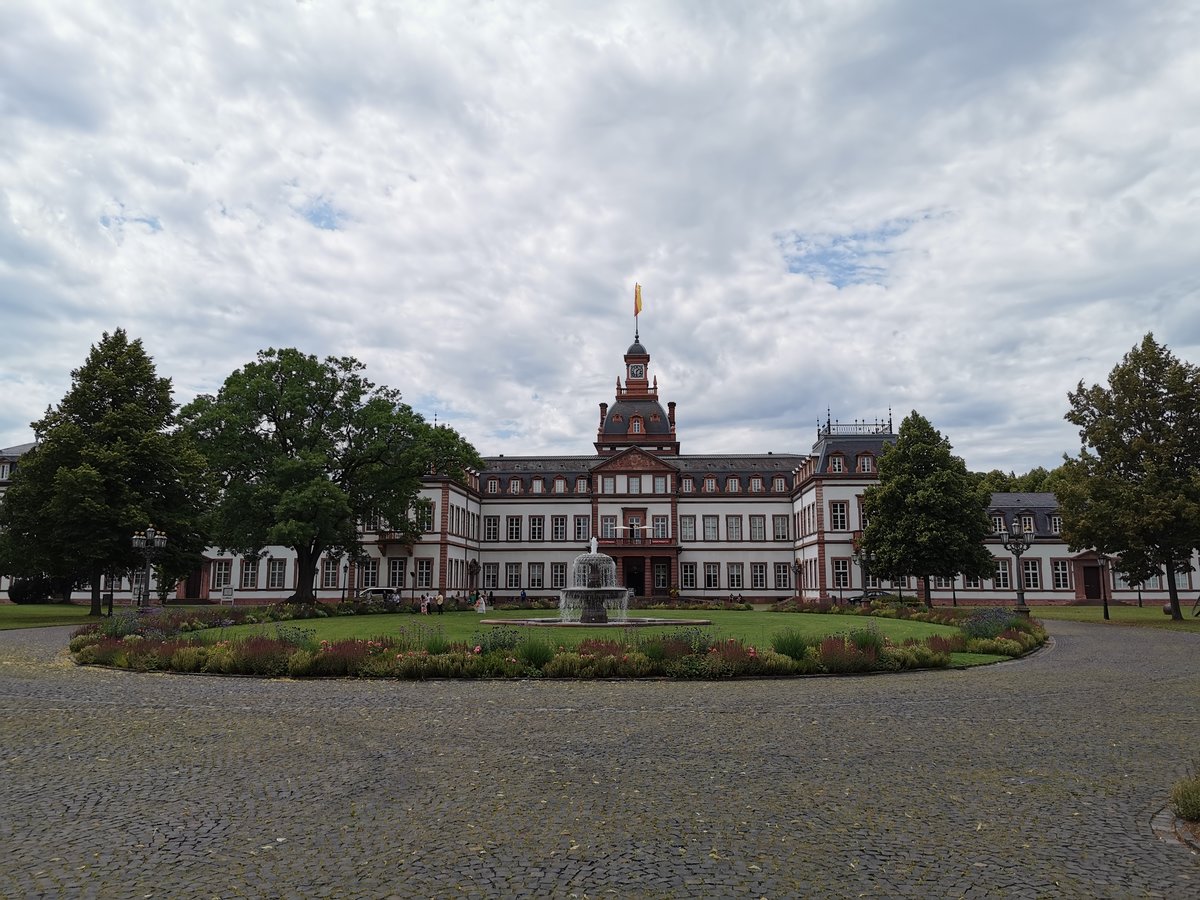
(760, 526)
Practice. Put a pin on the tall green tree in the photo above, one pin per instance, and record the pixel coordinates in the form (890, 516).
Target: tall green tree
(928, 514)
(1134, 488)
(304, 449)
(108, 462)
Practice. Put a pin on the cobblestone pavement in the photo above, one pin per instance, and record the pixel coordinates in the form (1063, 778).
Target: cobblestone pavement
(1035, 778)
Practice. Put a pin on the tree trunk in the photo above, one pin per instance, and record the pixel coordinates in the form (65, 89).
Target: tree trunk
(1173, 592)
(306, 573)
(96, 576)
(928, 596)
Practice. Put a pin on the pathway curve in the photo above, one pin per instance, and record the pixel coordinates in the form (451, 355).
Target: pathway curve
(1035, 778)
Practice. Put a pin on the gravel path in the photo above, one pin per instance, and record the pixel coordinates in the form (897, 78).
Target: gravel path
(1036, 778)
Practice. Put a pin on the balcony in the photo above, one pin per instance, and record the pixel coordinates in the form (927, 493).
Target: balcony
(636, 540)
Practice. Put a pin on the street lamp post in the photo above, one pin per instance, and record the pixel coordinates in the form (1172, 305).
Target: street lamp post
(1017, 541)
(345, 580)
(799, 571)
(150, 543)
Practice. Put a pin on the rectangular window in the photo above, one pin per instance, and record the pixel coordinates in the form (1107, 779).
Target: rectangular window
(424, 573)
(1181, 578)
(756, 484)
(558, 575)
(396, 572)
(758, 576)
(1027, 524)
(710, 484)
(662, 572)
(222, 573)
(512, 576)
(941, 583)
(781, 527)
(608, 484)
(276, 573)
(783, 576)
(249, 574)
(425, 516)
(687, 528)
(493, 485)
(732, 485)
(537, 486)
(660, 484)
(583, 528)
(866, 464)
(1056, 524)
(491, 528)
(369, 573)
(758, 528)
(608, 527)
(837, 464)
(560, 485)
(710, 528)
(514, 485)
(779, 485)
(733, 528)
(1033, 573)
(635, 484)
(537, 574)
(537, 528)
(491, 576)
(581, 485)
(512, 526)
(4, 468)
(660, 527)
(1001, 580)
(329, 573)
(734, 574)
(687, 576)
(712, 575)
(633, 528)
(686, 485)
(998, 526)
(558, 528)
(1062, 575)
(841, 573)
(972, 582)
(871, 581)
(839, 515)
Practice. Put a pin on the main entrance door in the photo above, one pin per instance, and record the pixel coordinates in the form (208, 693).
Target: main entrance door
(1091, 582)
(635, 575)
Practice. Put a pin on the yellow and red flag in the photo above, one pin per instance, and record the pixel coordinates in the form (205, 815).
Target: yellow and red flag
(637, 300)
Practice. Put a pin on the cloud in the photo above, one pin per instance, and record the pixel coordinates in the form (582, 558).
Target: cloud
(956, 208)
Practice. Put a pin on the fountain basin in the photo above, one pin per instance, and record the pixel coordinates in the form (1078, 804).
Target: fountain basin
(631, 622)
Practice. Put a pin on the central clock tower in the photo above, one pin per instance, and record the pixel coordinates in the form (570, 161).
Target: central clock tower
(636, 418)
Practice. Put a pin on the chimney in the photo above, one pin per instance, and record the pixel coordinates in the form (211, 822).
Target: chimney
(603, 413)
(671, 413)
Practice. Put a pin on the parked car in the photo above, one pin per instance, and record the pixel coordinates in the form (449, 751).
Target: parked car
(376, 593)
(867, 597)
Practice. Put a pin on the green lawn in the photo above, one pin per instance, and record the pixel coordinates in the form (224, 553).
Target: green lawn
(36, 615)
(755, 628)
(1148, 616)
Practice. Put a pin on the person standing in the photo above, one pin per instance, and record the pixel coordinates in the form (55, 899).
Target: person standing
(440, 602)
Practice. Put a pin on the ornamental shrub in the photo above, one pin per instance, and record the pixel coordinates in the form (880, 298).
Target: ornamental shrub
(990, 622)
(1185, 798)
(535, 652)
(997, 646)
(793, 642)
(189, 658)
(299, 663)
(564, 665)
(497, 639)
(841, 656)
(867, 638)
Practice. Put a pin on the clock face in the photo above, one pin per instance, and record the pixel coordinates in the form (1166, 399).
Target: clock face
(637, 371)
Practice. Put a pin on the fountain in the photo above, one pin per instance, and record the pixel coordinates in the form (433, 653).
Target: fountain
(594, 598)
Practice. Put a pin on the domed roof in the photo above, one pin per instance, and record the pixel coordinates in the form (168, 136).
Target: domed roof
(654, 419)
(636, 349)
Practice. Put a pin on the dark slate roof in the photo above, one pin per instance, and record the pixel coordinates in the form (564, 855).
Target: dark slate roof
(1029, 501)
(18, 450)
(626, 409)
(849, 446)
(734, 464)
(636, 349)
(538, 465)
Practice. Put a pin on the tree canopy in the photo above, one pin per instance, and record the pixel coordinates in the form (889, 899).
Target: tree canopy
(927, 515)
(1134, 488)
(303, 450)
(1037, 480)
(107, 463)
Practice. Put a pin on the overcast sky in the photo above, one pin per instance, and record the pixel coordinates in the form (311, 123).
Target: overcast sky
(962, 208)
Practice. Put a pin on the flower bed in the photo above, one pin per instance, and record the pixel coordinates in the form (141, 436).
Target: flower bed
(161, 643)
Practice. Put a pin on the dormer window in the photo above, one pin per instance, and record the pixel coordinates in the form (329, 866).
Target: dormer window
(710, 484)
(635, 425)
(581, 485)
(536, 487)
(514, 485)
(1027, 524)
(866, 463)
(779, 485)
(756, 484)
(998, 526)
(837, 465)
(686, 484)
(732, 484)
(560, 485)
(493, 486)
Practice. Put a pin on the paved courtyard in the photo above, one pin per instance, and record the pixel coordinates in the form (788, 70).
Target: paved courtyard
(1037, 778)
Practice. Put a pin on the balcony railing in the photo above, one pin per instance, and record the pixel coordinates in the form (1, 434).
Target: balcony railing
(641, 540)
